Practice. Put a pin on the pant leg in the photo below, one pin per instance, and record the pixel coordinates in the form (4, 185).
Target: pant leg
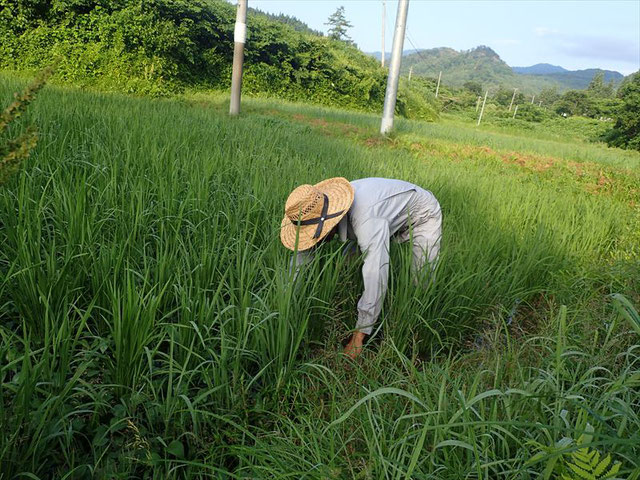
(426, 233)
(426, 242)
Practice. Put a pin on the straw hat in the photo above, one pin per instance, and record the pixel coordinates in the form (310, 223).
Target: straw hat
(313, 210)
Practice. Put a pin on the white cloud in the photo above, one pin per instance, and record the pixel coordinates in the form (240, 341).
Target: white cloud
(545, 31)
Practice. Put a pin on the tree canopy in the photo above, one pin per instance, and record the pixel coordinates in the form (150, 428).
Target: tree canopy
(161, 47)
(338, 25)
(626, 132)
(474, 87)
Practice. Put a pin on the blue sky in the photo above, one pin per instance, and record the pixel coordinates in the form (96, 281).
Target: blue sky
(573, 34)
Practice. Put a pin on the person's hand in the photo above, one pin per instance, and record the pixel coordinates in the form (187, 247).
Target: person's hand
(354, 347)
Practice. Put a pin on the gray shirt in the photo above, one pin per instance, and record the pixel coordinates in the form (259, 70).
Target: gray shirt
(381, 209)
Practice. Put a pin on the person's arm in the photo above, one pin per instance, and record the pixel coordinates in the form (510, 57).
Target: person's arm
(373, 239)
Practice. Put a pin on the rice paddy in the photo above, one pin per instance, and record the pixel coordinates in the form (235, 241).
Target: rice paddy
(151, 327)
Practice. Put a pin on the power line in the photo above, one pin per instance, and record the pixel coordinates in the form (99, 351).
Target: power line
(423, 59)
(414, 47)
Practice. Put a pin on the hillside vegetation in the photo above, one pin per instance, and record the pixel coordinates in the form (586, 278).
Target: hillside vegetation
(577, 79)
(166, 46)
(484, 66)
(597, 114)
(150, 327)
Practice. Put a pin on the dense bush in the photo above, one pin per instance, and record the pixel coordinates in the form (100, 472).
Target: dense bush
(626, 132)
(586, 104)
(149, 47)
(164, 46)
(416, 98)
(473, 87)
(588, 114)
(504, 95)
(533, 113)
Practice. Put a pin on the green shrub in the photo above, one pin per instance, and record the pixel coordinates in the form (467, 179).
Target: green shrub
(533, 113)
(626, 132)
(416, 100)
(160, 47)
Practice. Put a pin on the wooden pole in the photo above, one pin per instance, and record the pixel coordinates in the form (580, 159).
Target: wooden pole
(482, 110)
(515, 111)
(438, 87)
(513, 98)
(239, 38)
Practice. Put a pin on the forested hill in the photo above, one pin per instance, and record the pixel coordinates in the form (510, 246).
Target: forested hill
(540, 69)
(483, 65)
(293, 22)
(480, 64)
(164, 46)
(574, 79)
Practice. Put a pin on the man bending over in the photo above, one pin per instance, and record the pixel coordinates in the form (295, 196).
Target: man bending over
(369, 211)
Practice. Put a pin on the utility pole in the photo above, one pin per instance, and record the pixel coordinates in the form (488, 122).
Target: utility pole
(482, 110)
(478, 103)
(394, 69)
(384, 17)
(515, 111)
(438, 87)
(540, 104)
(239, 37)
(532, 99)
(410, 72)
(513, 98)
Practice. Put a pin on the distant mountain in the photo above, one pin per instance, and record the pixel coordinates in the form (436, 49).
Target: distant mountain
(539, 69)
(578, 79)
(480, 64)
(483, 65)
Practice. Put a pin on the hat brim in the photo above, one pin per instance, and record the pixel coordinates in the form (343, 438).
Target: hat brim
(300, 237)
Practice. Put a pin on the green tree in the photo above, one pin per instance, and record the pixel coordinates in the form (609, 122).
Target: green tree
(473, 87)
(597, 88)
(549, 96)
(160, 47)
(575, 102)
(338, 25)
(626, 132)
(504, 95)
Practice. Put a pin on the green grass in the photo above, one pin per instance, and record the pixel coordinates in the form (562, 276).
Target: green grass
(150, 328)
(568, 139)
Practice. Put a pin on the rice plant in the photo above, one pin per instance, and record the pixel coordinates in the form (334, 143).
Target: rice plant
(151, 327)
(15, 150)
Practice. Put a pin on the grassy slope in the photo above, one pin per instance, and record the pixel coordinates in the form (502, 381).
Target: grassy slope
(149, 325)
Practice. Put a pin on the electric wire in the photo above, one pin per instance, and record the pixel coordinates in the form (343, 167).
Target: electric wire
(408, 37)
